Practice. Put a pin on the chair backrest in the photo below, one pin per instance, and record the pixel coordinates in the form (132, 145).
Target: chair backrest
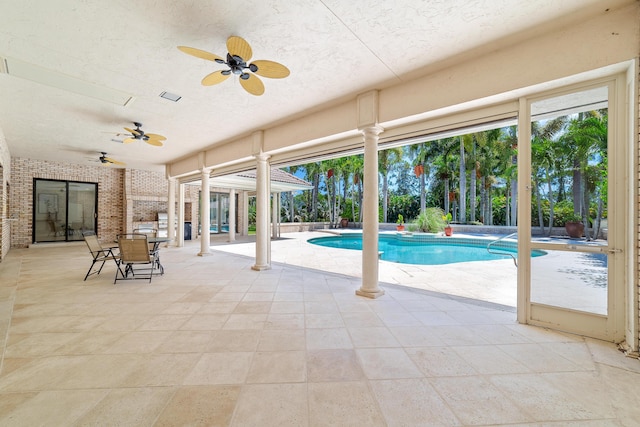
(92, 242)
(133, 248)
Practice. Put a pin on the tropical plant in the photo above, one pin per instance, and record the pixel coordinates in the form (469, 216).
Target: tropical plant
(430, 220)
(447, 219)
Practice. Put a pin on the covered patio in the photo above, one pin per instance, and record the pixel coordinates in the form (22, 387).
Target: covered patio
(214, 343)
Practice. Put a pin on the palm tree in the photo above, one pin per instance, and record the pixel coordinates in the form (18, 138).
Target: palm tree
(420, 154)
(386, 160)
(547, 160)
(587, 138)
(313, 171)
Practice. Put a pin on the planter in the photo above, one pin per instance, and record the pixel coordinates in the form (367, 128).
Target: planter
(448, 231)
(575, 229)
(344, 223)
(400, 227)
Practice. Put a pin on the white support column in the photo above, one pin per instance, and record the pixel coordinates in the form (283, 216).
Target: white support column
(263, 242)
(232, 215)
(171, 213)
(180, 231)
(205, 220)
(369, 286)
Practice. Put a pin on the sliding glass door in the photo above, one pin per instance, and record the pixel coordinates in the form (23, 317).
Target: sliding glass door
(63, 210)
(218, 213)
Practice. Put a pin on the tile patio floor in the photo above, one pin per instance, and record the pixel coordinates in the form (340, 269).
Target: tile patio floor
(213, 342)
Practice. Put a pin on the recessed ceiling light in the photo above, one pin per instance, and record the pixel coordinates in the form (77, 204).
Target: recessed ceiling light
(170, 96)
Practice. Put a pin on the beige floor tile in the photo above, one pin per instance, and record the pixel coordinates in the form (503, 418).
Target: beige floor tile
(412, 402)
(281, 307)
(343, 404)
(536, 396)
(321, 320)
(128, 407)
(416, 336)
(161, 370)
(246, 321)
(439, 362)
(387, 363)
(318, 339)
(247, 307)
(220, 368)
(233, 340)
(53, 408)
(491, 359)
(164, 322)
(185, 342)
(205, 322)
(94, 342)
(39, 344)
(285, 321)
(200, 406)
(276, 405)
(138, 342)
(278, 367)
(333, 365)
(476, 401)
(220, 307)
(361, 319)
(256, 346)
(282, 340)
(372, 337)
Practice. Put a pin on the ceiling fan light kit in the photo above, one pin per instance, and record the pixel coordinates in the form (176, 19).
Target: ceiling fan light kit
(238, 55)
(138, 134)
(107, 161)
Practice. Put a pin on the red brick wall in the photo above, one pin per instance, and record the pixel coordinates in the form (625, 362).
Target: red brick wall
(23, 171)
(148, 194)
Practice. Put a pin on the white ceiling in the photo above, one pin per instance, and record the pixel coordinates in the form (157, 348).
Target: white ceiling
(335, 49)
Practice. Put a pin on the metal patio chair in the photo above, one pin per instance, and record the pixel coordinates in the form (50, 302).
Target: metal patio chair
(135, 261)
(98, 253)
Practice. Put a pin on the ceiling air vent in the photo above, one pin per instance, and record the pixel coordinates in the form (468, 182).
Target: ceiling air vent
(170, 96)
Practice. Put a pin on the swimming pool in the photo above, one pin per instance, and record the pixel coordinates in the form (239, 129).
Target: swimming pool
(426, 249)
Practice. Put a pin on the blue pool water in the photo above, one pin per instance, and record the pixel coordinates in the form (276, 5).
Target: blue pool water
(428, 250)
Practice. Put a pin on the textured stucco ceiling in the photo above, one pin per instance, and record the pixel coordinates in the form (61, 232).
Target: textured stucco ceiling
(335, 49)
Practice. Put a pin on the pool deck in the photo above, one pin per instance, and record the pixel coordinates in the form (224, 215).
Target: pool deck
(490, 281)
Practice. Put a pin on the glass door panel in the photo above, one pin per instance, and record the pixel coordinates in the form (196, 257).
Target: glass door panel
(213, 213)
(63, 210)
(224, 213)
(82, 212)
(571, 287)
(50, 214)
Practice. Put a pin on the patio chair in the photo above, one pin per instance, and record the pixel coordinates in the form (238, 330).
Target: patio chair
(98, 253)
(153, 247)
(135, 261)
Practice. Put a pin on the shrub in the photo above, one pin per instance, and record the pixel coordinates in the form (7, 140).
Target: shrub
(430, 220)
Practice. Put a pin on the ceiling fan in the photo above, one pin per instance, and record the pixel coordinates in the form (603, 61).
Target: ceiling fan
(107, 161)
(138, 134)
(238, 56)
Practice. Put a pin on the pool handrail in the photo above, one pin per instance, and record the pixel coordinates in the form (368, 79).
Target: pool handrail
(515, 260)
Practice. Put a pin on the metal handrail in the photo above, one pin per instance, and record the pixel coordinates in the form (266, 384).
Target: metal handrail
(515, 260)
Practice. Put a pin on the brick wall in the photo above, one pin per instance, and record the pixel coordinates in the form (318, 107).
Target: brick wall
(110, 201)
(148, 194)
